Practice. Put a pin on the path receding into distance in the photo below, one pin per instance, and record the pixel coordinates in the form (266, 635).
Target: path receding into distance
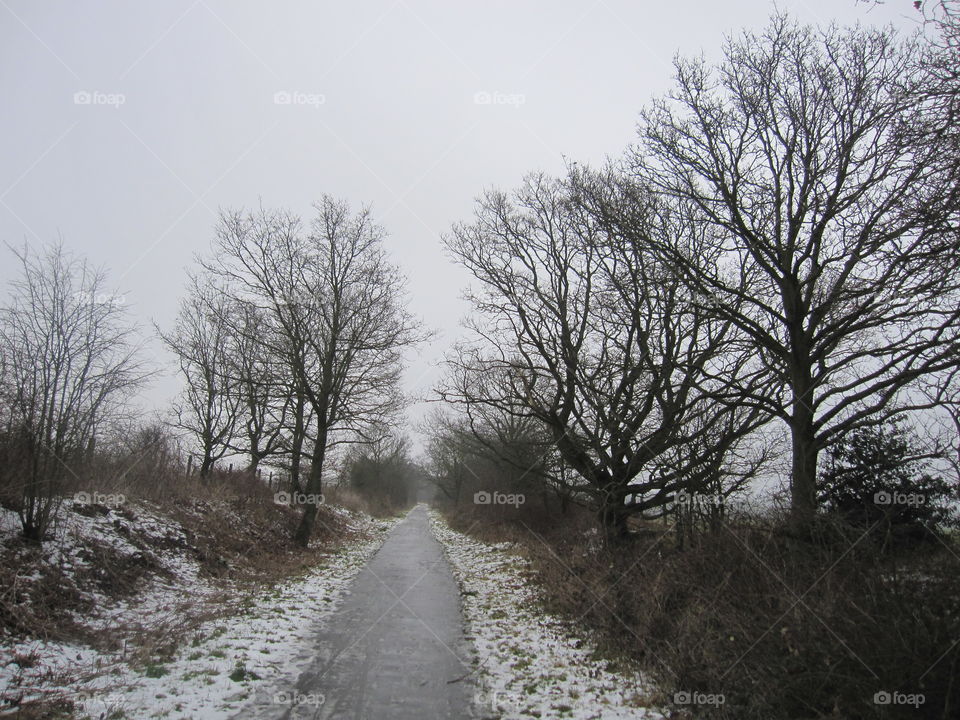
(394, 649)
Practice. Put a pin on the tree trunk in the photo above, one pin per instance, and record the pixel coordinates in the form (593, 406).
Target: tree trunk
(803, 472)
(614, 522)
(612, 514)
(803, 475)
(255, 454)
(206, 466)
(296, 447)
(32, 532)
(314, 487)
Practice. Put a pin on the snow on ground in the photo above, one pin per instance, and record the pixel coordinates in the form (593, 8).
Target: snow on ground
(531, 664)
(159, 545)
(253, 641)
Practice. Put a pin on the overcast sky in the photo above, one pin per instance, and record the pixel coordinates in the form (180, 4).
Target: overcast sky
(126, 125)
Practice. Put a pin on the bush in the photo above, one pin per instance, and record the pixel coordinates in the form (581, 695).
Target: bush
(875, 478)
(782, 627)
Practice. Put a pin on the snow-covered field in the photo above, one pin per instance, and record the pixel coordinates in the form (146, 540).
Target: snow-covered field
(252, 645)
(531, 664)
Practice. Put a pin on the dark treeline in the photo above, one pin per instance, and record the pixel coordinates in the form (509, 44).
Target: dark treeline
(289, 343)
(763, 290)
(777, 252)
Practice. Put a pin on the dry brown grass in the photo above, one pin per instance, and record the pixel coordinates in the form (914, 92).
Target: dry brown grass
(232, 528)
(346, 497)
(785, 628)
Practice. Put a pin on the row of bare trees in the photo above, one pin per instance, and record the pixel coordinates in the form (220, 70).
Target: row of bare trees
(780, 244)
(291, 341)
(383, 472)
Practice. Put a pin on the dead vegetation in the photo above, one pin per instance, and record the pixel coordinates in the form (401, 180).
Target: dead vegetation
(210, 546)
(780, 626)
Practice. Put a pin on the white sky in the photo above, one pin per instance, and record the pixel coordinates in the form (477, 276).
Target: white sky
(136, 186)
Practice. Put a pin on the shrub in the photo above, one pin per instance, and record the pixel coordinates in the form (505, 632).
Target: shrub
(875, 478)
(782, 627)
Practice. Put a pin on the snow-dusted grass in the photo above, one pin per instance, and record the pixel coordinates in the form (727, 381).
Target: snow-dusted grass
(158, 540)
(532, 664)
(252, 643)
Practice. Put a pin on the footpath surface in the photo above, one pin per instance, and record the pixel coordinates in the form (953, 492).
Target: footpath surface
(394, 648)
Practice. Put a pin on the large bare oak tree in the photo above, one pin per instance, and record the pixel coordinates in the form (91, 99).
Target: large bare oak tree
(590, 334)
(834, 220)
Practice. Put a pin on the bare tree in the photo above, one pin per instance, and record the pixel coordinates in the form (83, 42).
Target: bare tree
(941, 21)
(266, 398)
(586, 332)
(299, 430)
(209, 406)
(382, 470)
(944, 16)
(337, 304)
(833, 228)
(942, 424)
(446, 464)
(70, 361)
(498, 447)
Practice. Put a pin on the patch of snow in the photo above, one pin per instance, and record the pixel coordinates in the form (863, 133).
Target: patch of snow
(532, 664)
(213, 672)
